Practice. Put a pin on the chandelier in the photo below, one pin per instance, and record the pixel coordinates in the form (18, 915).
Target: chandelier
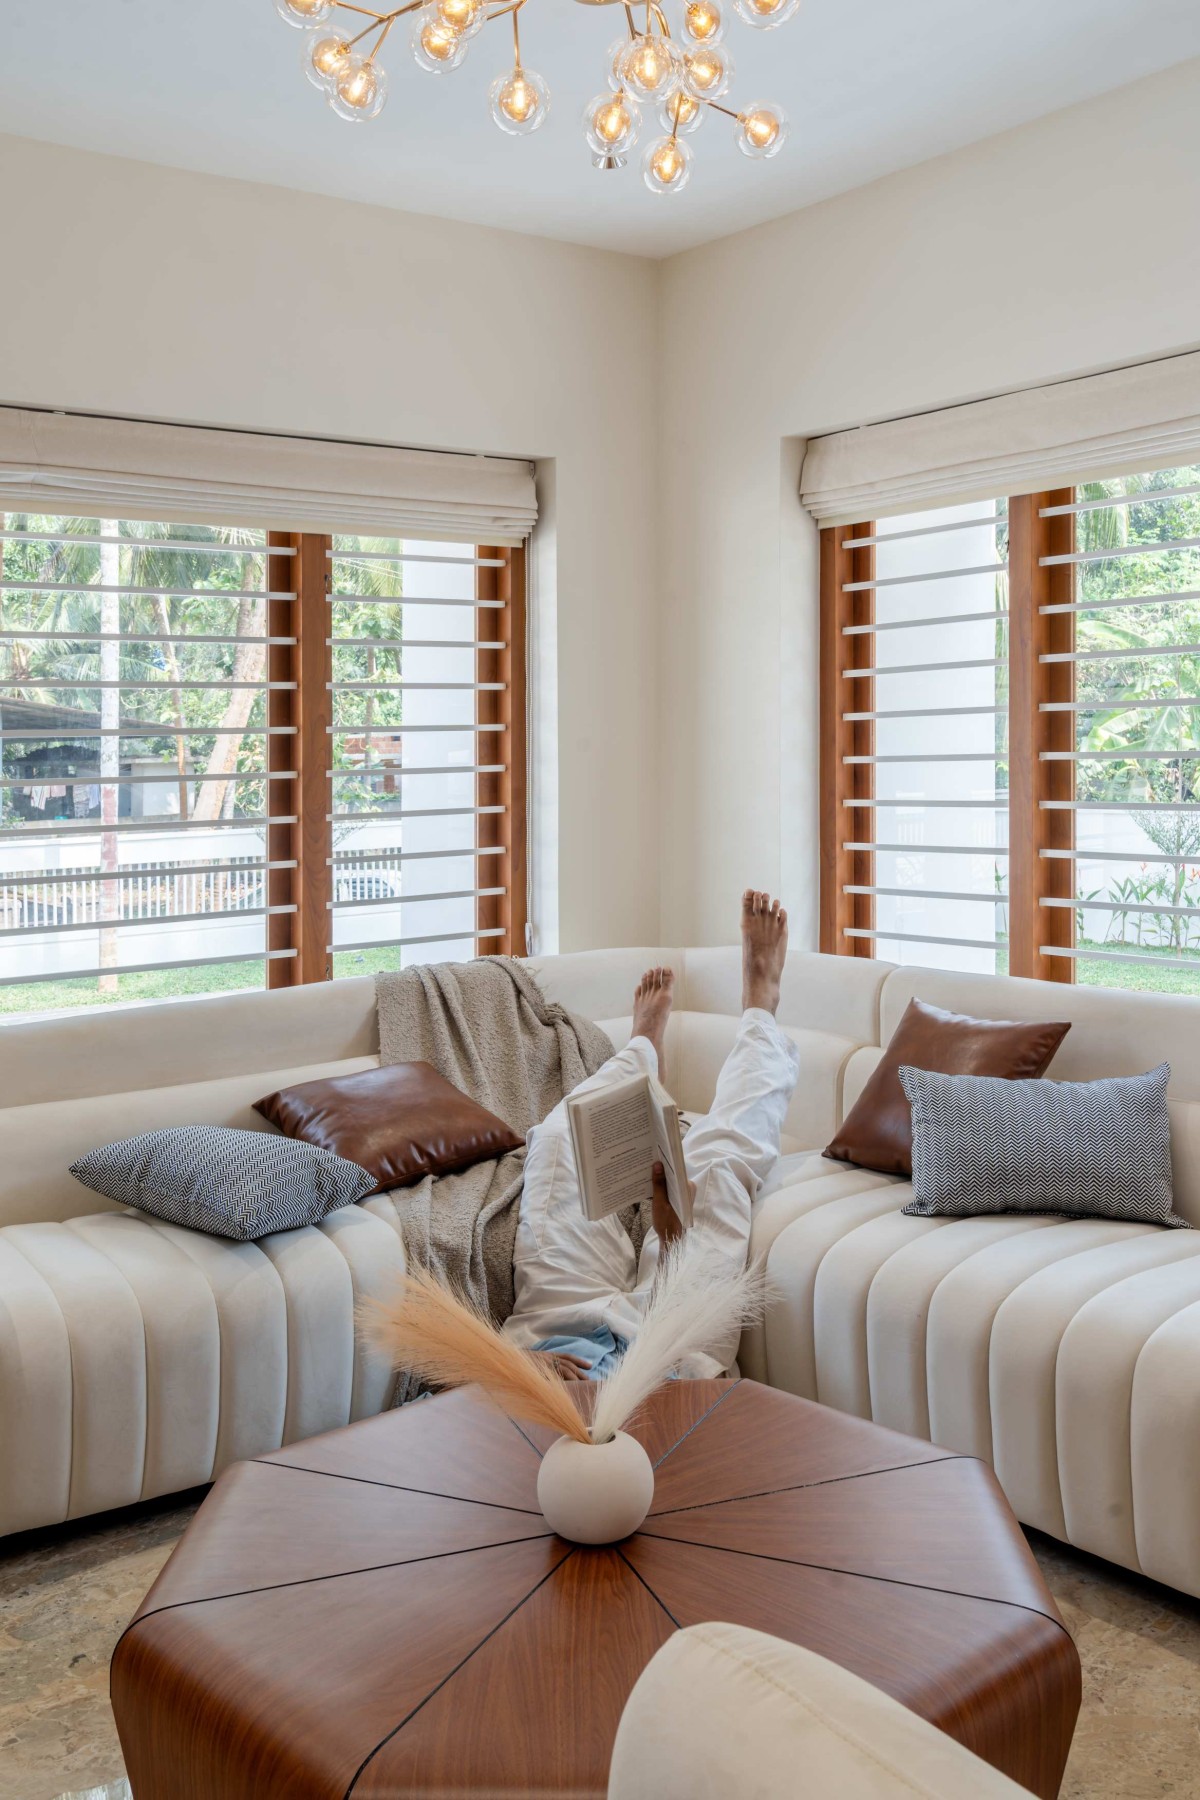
(679, 78)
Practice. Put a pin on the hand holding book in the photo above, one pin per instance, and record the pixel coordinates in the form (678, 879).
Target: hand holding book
(667, 1222)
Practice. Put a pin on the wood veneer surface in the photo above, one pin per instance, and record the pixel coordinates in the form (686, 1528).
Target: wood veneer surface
(383, 1610)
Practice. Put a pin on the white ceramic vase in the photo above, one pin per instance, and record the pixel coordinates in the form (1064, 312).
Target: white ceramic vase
(595, 1493)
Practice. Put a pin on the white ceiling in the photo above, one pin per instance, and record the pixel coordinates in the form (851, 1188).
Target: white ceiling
(870, 85)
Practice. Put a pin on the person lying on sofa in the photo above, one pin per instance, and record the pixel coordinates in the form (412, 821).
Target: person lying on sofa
(581, 1290)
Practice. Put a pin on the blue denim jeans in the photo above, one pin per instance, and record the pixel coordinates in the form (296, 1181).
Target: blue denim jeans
(600, 1349)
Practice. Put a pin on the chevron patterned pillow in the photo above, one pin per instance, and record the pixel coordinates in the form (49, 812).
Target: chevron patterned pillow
(1090, 1149)
(235, 1184)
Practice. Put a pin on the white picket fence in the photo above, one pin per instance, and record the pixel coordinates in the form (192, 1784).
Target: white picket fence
(155, 890)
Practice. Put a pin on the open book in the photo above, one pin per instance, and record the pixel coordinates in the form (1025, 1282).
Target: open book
(619, 1133)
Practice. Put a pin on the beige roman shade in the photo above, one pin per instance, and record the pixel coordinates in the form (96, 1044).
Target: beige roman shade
(1143, 417)
(66, 463)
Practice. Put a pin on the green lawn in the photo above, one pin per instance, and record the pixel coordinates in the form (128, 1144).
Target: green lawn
(227, 978)
(1138, 975)
(173, 984)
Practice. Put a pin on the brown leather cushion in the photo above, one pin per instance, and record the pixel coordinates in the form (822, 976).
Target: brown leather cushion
(400, 1123)
(877, 1132)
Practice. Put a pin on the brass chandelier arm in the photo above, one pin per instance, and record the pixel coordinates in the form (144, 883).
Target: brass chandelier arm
(378, 21)
(381, 40)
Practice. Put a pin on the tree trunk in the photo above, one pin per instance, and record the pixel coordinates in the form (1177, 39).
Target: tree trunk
(110, 754)
(249, 662)
(171, 658)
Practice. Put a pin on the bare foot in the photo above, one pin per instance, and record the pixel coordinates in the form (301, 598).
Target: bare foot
(652, 1000)
(764, 949)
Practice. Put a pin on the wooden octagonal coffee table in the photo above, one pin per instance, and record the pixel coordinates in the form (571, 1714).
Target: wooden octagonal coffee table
(384, 1611)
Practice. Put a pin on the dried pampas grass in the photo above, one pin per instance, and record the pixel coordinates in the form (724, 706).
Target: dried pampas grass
(438, 1335)
(696, 1303)
(442, 1338)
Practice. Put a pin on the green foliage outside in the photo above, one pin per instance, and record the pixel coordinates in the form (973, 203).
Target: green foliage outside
(189, 596)
(1144, 758)
(174, 602)
(1141, 758)
(174, 984)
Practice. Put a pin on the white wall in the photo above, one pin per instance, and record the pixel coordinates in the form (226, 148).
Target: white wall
(131, 289)
(1059, 248)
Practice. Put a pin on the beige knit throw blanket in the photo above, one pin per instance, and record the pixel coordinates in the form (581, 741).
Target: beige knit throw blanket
(488, 1028)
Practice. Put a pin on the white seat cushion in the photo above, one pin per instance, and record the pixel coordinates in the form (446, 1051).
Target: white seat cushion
(139, 1358)
(1058, 1350)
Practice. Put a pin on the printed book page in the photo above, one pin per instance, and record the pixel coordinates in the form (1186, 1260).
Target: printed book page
(618, 1134)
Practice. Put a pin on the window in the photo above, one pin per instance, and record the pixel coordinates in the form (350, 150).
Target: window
(420, 683)
(233, 757)
(1027, 806)
(923, 673)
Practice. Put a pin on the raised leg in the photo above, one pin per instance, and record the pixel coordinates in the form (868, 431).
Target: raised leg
(734, 1148)
(572, 1274)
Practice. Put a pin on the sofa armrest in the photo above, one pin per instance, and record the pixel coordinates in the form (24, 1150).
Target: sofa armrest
(721, 1710)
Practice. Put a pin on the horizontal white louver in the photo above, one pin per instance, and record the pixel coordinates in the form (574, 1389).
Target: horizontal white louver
(414, 750)
(931, 656)
(134, 738)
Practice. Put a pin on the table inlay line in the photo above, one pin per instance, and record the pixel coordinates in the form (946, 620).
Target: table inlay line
(799, 1562)
(653, 1595)
(793, 1487)
(463, 1661)
(399, 1487)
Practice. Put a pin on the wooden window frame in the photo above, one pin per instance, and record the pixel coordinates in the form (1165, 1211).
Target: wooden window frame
(1032, 684)
(505, 706)
(300, 850)
(841, 780)
(1033, 827)
(305, 711)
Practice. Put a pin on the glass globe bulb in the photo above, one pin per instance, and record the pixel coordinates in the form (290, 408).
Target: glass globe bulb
(467, 17)
(616, 53)
(302, 13)
(650, 67)
(519, 101)
(359, 91)
(707, 71)
(681, 113)
(611, 123)
(703, 21)
(435, 45)
(667, 165)
(766, 14)
(761, 130)
(326, 57)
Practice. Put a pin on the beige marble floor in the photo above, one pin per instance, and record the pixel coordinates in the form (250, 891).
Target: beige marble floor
(65, 1596)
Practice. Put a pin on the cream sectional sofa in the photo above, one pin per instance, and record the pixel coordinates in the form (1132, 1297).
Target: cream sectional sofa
(139, 1359)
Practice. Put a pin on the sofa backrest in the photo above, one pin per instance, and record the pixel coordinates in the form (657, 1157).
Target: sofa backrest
(70, 1083)
(829, 1005)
